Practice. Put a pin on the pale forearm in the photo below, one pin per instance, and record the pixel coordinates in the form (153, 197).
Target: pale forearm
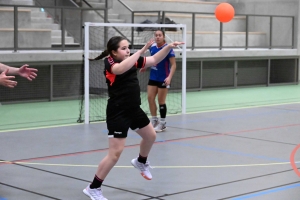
(11, 70)
(172, 71)
(162, 54)
(126, 64)
(159, 56)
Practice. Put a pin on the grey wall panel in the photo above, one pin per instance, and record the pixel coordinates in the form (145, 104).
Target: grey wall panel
(28, 90)
(283, 71)
(66, 80)
(218, 74)
(252, 72)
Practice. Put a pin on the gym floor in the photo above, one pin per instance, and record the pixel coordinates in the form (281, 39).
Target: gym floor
(234, 153)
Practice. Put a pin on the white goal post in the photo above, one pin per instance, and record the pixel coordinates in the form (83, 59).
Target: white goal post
(87, 53)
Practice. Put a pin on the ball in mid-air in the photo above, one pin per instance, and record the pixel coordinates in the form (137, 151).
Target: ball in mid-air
(224, 12)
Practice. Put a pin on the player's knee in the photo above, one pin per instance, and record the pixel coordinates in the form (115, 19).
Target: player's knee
(152, 136)
(116, 155)
(151, 98)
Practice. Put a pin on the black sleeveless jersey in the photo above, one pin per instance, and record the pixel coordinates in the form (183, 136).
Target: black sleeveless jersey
(123, 89)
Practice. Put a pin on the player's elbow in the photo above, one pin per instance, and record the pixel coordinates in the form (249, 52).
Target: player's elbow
(151, 61)
(117, 69)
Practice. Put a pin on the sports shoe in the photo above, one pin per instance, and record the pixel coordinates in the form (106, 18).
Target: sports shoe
(94, 194)
(160, 127)
(154, 122)
(144, 168)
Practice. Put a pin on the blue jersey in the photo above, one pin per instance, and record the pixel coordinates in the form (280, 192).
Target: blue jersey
(162, 70)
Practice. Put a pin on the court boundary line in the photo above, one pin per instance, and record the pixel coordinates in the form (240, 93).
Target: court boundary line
(154, 167)
(189, 113)
(29, 191)
(221, 184)
(189, 138)
(158, 197)
(79, 179)
(292, 160)
(259, 192)
(156, 143)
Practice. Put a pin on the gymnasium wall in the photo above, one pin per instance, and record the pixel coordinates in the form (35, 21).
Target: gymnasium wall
(282, 32)
(270, 7)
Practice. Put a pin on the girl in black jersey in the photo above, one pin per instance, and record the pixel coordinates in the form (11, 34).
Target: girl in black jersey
(123, 108)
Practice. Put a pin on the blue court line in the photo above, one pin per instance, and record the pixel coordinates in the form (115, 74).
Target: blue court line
(229, 152)
(267, 192)
(1, 198)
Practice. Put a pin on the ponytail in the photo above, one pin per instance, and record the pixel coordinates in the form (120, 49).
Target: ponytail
(102, 55)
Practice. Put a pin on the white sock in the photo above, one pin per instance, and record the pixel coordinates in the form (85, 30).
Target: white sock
(154, 118)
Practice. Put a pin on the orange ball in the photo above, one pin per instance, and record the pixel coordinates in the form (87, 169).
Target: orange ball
(224, 12)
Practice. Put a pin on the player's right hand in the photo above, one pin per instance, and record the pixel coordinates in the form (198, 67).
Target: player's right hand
(146, 47)
(5, 80)
(175, 44)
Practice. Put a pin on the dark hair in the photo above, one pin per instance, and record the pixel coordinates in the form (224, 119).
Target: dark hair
(163, 32)
(112, 45)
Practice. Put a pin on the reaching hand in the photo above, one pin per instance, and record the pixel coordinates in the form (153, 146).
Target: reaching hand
(28, 73)
(146, 47)
(175, 44)
(4, 80)
(167, 81)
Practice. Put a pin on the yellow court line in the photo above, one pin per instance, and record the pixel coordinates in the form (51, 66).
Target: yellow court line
(204, 111)
(161, 167)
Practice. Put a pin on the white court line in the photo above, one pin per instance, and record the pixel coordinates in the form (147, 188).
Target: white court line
(157, 167)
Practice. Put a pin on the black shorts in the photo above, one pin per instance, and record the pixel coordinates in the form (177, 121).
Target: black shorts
(158, 84)
(119, 120)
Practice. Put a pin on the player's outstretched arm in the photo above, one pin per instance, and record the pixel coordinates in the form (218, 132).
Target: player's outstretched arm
(11, 70)
(24, 71)
(159, 56)
(125, 65)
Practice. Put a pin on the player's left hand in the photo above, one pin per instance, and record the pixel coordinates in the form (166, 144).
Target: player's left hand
(168, 81)
(29, 73)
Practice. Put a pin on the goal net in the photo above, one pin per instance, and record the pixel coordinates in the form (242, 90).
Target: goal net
(94, 100)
